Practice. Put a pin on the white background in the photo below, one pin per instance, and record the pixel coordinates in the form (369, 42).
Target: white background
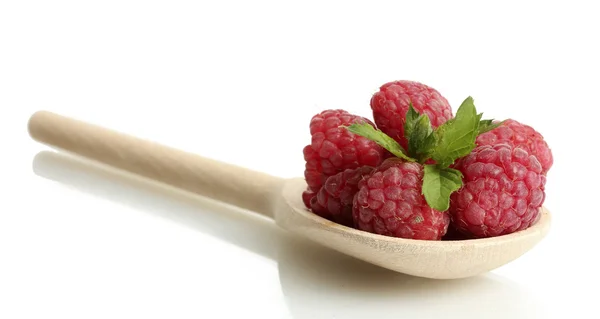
(238, 81)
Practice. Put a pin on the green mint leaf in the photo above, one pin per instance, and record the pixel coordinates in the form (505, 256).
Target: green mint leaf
(419, 133)
(456, 137)
(438, 184)
(427, 147)
(479, 116)
(411, 117)
(485, 122)
(369, 132)
(488, 125)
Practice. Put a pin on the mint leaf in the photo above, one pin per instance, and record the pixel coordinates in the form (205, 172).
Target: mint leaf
(369, 132)
(411, 116)
(488, 125)
(484, 123)
(456, 137)
(419, 133)
(438, 184)
(424, 138)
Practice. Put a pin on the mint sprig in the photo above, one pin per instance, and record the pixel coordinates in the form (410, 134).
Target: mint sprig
(368, 131)
(450, 141)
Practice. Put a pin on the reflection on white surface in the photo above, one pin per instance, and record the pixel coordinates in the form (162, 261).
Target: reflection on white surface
(316, 282)
(315, 279)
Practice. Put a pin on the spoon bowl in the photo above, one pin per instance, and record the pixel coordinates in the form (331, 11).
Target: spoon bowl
(422, 258)
(281, 200)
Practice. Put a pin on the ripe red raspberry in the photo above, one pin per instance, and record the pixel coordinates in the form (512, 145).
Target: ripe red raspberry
(334, 149)
(391, 103)
(390, 203)
(502, 192)
(334, 200)
(307, 196)
(517, 134)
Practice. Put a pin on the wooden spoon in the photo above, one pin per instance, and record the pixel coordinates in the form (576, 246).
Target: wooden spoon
(281, 199)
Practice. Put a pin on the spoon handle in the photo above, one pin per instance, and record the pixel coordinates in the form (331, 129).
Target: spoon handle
(224, 182)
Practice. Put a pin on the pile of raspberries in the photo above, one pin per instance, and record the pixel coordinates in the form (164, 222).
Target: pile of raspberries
(417, 171)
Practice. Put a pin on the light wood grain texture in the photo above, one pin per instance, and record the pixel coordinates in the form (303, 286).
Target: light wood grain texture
(207, 177)
(281, 199)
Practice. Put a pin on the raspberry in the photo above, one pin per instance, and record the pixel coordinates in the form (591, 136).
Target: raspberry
(518, 134)
(391, 103)
(334, 200)
(390, 203)
(334, 149)
(307, 196)
(502, 192)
